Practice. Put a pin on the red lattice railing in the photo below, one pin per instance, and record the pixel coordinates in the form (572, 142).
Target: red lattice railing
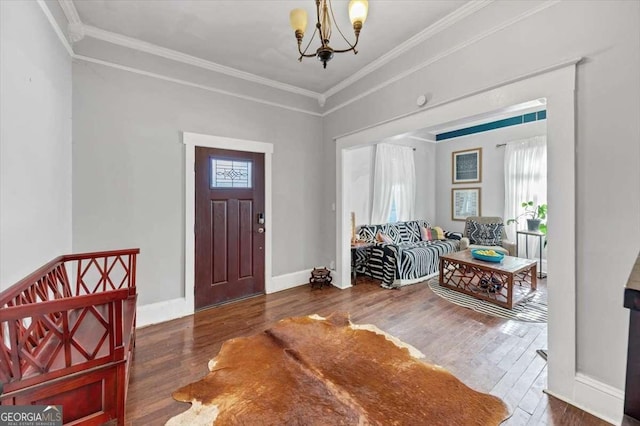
(65, 317)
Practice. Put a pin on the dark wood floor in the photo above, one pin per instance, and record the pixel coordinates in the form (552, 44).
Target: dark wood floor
(487, 353)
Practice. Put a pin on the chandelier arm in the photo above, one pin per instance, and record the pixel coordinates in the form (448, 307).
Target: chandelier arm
(355, 52)
(335, 23)
(303, 53)
(318, 24)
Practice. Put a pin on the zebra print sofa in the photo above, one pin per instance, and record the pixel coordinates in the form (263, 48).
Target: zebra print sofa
(409, 259)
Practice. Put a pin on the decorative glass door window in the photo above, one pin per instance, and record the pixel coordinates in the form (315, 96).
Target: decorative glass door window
(230, 173)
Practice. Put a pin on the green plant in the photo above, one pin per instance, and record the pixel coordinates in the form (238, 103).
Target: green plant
(543, 229)
(532, 211)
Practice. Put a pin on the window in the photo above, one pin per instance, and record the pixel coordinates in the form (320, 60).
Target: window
(230, 173)
(394, 184)
(393, 216)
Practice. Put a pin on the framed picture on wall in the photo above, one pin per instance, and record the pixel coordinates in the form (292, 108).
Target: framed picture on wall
(467, 166)
(465, 202)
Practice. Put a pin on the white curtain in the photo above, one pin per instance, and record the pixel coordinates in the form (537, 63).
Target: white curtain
(394, 181)
(525, 179)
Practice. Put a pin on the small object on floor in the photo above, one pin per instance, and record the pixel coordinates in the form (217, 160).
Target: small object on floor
(484, 282)
(542, 353)
(320, 276)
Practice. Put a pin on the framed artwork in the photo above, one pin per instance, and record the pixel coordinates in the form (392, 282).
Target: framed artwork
(467, 166)
(465, 202)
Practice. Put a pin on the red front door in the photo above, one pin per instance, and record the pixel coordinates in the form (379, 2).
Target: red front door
(229, 234)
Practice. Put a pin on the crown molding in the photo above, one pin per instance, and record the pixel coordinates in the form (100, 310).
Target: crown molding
(76, 32)
(440, 25)
(80, 30)
(444, 54)
(70, 11)
(191, 84)
(74, 56)
(143, 46)
(56, 27)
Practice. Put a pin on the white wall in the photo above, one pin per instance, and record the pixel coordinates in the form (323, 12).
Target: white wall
(128, 164)
(607, 34)
(492, 185)
(35, 147)
(360, 164)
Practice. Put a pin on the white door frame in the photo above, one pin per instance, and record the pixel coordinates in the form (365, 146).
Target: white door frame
(191, 141)
(557, 84)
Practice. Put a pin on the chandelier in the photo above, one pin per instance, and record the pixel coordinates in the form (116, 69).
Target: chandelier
(298, 17)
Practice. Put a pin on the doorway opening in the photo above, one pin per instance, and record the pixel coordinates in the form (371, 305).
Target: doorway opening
(557, 86)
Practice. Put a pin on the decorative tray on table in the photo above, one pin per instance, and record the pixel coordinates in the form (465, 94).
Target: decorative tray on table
(487, 255)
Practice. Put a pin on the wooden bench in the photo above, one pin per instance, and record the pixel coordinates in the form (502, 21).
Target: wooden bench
(67, 333)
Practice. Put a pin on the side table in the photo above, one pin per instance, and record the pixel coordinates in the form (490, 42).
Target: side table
(360, 255)
(320, 276)
(526, 234)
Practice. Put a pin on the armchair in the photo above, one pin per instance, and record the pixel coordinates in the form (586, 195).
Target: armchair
(507, 247)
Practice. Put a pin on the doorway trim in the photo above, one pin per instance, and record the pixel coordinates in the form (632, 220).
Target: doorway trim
(191, 141)
(557, 84)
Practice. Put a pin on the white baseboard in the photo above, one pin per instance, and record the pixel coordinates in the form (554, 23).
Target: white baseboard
(287, 281)
(167, 310)
(601, 400)
(597, 398)
(162, 311)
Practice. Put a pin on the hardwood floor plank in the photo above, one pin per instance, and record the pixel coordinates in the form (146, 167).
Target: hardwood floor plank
(574, 416)
(487, 353)
(524, 382)
(532, 398)
(554, 411)
(519, 418)
(514, 373)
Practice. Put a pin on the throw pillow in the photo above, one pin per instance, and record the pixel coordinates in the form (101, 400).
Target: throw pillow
(453, 235)
(383, 238)
(430, 234)
(485, 234)
(437, 233)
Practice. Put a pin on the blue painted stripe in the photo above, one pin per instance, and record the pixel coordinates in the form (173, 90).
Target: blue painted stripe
(506, 122)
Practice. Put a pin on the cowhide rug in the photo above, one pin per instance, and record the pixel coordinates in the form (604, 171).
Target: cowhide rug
(327, 371)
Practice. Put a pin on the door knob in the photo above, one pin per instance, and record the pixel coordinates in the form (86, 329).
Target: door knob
(260, 230)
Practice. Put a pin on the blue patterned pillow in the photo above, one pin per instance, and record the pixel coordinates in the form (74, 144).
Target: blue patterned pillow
(485, 234)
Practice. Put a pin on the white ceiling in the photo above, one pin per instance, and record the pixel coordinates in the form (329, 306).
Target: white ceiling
(254, 36)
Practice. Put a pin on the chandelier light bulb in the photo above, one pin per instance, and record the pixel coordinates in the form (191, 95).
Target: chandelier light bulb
(298, 20)
(358, 10)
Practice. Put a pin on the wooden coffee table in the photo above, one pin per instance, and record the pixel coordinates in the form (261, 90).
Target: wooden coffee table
(506, 283)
